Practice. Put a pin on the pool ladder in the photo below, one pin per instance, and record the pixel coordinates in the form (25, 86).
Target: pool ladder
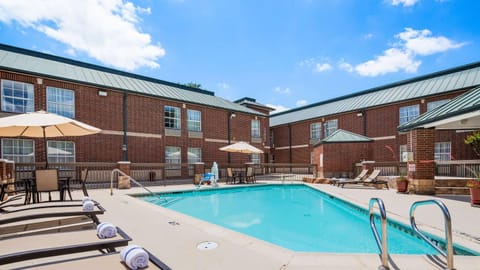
(382, 243)
(163, 200)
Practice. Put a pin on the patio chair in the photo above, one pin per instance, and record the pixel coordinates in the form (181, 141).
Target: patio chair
(250, 175)
(110, 260)
(46, 181)
(231, 177)
(360, 176)
(371, 179)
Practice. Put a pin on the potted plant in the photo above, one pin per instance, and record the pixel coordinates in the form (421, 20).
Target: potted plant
(402, 184)
(474, 184)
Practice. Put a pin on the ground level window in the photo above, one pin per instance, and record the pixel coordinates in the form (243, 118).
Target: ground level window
(443, 151)
(194, 154)
(255, 158)
(18, 150)
(61, 152)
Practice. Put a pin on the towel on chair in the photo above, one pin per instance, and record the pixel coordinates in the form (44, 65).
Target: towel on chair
(88, 205)
(86, 198)
(134, 257)
(106, 230)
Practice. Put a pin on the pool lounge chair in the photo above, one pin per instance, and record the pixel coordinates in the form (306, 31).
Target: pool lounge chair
(100, 261)
(371, 179)
(359, 177)
(28, 247)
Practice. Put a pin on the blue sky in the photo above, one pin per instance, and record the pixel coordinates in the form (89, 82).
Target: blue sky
(284, 53)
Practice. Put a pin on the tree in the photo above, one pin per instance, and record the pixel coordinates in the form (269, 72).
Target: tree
(194, 85)
(474, 141)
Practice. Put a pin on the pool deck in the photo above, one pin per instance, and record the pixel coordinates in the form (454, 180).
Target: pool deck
(173, 237)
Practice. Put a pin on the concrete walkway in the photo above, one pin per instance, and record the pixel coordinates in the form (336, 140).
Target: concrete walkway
(173, 237)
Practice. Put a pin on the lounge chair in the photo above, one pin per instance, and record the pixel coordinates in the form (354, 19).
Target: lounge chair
(100, 261)
(28, 247)
(359, 177)
(371, 179)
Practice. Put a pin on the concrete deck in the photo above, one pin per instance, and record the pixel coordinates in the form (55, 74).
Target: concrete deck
(173, 237)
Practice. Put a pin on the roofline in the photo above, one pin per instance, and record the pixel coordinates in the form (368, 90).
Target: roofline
(383, 87)
(123, 90)
(99, 68)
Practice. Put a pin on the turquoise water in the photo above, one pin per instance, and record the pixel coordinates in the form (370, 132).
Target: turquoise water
(296, 217)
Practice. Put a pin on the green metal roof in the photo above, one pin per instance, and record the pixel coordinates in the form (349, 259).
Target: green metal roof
(428, 85)
(40, 64)
(343, 136)
(462, 109)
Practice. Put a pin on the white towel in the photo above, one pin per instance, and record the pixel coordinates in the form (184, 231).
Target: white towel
(88, 206)
(134, 257)
(106, 230)
(86, 198)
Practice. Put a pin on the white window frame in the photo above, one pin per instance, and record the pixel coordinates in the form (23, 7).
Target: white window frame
(443, 151)
(255, 158)
(315, 131)
(403, 149)
(256, 128)
(330, 127)
(434, 104)
(22, 150)
(408, 113)
(61, 101)
(17, 92)
(172, 117)
(64, 153)
(194, 120)
(169, 150)
(194, 154)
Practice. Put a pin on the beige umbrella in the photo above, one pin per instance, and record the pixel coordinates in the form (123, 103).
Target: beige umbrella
(44, 125)
(241, 147)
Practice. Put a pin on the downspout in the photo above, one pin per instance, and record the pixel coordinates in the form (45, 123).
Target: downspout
(364, 124)
(290, 143)
(125, 142)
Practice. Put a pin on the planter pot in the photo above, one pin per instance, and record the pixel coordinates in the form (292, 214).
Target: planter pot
(402, 186)
(475, 195)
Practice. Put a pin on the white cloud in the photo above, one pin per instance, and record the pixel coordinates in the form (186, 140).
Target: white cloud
(107, 30)
(278, 108)
(223, 85)
(301, 102)
(345, 66)
(281, 90)
(403, 55)
(405, 3)
(368, 36)
(321, 67)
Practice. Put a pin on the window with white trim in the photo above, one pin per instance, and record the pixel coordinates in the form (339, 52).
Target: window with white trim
(315, 131)
(194, 120)
(172, 117)
(330, 127)
(173, 155)
(434, 104)
(443, 151)
(17, 97)
(61, 101)
(403, 149)
(18, 150)
(408, 113)
(256, 128)
(194, 154)
(255, 158)
(61, 151)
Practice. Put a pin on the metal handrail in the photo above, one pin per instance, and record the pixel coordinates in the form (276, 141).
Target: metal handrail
(448, 229)
(381, 243)
(134, 181)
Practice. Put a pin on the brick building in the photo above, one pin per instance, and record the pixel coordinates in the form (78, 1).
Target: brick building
(143, 120)
(375, 113)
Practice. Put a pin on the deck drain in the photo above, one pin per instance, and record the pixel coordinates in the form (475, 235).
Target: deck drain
(207, 245)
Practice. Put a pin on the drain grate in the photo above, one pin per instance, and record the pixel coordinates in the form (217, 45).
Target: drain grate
(208, 245)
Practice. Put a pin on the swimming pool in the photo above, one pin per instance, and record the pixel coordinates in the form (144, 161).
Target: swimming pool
(296, 217)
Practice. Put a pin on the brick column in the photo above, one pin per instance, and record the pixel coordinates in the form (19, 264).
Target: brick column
(421, 170)
(124, 181)
(198, 170)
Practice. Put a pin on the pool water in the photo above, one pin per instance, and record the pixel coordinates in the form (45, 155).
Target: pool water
(296, 217)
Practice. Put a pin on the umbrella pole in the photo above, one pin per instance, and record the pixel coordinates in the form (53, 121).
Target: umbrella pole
(46, 148)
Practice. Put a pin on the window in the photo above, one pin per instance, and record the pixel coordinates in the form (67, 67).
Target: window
(61, 151)
(61, 101)
(194, 155)
(17, 97)
(315, 131)
(18, 150)
(330, 127)
(194, 120)
(434, 104)
(443, 151)
(403, 151)
(256, 129)
(172, 117)
(408, 113)
(255, 158)
(173, 155)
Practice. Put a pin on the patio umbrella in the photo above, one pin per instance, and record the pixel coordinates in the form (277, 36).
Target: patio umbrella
(241, 147)
(44, 125)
